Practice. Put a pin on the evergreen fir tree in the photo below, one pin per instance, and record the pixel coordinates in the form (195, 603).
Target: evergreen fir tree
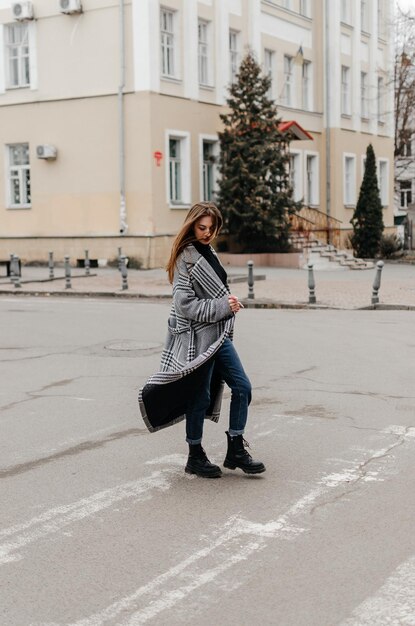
(367, 219)
(254, 192)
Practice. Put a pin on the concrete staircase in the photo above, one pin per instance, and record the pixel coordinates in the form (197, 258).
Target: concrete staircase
(325, 256)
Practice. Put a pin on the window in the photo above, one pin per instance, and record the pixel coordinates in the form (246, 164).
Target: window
(345, 11)
(167, 20)
(381, 19)
(305, 8)
(233, 54)
(269, 68)
(288, 80)
(349, 180)
(17, 55)
(306, 85)
(363, 95)
(345, 91)
(295, 175)
(311, 190)
(203, 51)
(405, 187)
(175, 171)
(406, 143)
(381, 100)
(178, 172)
(19, 175)
(383, 172)
(363, 15)
(208, 169)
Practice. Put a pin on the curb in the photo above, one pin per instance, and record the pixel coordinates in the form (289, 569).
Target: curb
(248, 304)
(85, 294)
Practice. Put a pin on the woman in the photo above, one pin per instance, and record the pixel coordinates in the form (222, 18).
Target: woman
(199, 355)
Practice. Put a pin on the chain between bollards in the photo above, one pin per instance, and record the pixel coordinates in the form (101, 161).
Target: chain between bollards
(87, 263)
(124, 273)
(311, 285)
(376, 282)
(251, 295)
(68, 284)
(51, 266)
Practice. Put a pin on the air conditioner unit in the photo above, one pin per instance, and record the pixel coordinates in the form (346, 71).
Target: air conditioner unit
(46, 152)
(22, 11)
(70, 6)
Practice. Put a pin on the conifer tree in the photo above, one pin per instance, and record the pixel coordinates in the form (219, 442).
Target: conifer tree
(254, 192)
(367, 219)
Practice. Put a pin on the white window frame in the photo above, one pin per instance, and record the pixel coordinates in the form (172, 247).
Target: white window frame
(364, 21)
(345, 12)
(314, 200)
(296, 180)
(185, 169)
(165, 45)
(364, 102)
(306, 86)
(20, 169)
(381, 18)
(363, 165)
(269, 69)
(289, 81)
(214, 141)
(21, 58)
(234, 54)
(204, 53)
(304, 8)
(380, 101)
(403, 193)
(383, 180)
(346, 96)
(349, 193)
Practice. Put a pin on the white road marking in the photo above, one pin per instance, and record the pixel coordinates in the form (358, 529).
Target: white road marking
(240, 538)
(53, 520)
(161, 598)
(393, 604)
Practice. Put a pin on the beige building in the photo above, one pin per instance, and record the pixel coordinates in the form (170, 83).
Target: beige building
(110, 112)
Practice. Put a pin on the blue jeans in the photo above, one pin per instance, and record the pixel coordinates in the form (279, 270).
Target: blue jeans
(228, 365)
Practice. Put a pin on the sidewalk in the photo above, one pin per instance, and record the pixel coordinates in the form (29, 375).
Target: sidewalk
(343, 288)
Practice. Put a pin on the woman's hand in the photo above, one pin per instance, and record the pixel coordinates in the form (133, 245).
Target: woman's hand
(235, 304)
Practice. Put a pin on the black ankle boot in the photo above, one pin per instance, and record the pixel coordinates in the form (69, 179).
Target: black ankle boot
(199, 464)
(237, 456)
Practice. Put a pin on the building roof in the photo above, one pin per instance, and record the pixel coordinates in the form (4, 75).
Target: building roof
(296, 131)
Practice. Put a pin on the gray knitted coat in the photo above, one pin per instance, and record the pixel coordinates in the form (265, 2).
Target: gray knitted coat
(199, 322)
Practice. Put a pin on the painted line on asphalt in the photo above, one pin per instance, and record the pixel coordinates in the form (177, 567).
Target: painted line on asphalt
(393, 604)
(240, 539)
(53, 520)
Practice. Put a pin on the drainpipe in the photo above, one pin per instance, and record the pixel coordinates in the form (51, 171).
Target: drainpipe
(328, 146)
(121, 122)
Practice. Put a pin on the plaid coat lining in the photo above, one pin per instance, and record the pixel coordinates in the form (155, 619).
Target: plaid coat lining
(199, 322)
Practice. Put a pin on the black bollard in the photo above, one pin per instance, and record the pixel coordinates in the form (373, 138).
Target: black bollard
(376, 282)
(68, 284)
(51, 266)
(87, 263)
(251, 295)
(124, 273)
(311, 285)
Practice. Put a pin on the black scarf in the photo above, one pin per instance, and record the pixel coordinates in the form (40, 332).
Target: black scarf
(206, 251)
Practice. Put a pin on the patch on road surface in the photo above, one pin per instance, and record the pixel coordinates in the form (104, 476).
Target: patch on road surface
(123, 348)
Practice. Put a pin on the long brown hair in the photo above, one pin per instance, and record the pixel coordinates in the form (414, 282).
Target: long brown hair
(186, 234)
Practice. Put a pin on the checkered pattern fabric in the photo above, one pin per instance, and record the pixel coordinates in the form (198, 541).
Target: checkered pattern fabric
(200, 320)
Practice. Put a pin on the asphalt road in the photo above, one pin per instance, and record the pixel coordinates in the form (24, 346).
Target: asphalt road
(100, 525)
